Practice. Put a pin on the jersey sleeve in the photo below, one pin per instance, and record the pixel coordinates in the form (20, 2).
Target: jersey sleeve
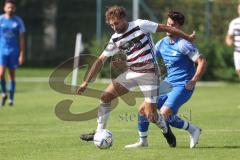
(21, 25)
(231, 28)
(189, 49)
(111, 49)
(147, 26)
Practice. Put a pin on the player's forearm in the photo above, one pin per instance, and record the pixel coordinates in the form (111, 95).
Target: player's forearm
(175, 31)
(21, 53)
(201, 67)
(229, 40)
(21, 45)
(95, 69)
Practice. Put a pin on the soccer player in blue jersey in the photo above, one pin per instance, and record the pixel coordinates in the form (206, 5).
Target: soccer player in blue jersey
(11, 48)
(180, 57)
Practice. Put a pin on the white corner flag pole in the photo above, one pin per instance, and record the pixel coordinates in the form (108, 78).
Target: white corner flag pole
(78, 50)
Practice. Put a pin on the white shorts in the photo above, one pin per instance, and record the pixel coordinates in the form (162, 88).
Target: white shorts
(237, 60)
(147, 83)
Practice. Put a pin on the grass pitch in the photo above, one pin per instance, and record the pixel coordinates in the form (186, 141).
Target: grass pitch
(31, 131)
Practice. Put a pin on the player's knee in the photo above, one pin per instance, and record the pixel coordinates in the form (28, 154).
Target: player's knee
(105, 97)
(165, 112)
(141, 109)
(141, 112)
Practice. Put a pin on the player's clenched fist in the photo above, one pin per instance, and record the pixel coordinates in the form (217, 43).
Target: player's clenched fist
(82, 88)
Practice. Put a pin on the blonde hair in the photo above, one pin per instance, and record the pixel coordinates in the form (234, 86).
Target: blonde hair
(115, 12)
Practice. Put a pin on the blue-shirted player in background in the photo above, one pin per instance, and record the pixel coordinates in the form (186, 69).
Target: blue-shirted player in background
(11, 47)
(180, 57)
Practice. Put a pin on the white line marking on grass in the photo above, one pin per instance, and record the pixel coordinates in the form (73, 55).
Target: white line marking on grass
(106, 81)
(32, 79)
(221, 130)
(204, 130)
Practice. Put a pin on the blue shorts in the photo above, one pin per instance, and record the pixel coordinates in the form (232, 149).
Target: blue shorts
(175, 99)
(9, 60)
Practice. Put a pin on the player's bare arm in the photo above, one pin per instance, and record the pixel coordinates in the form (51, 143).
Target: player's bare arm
(229, 40)
(21, 48)
(176, 32)
(95, 69)
(201, 66)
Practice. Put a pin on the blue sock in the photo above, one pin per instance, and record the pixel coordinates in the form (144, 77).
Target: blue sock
(161, 100)
(3, 85)
(12, 90)
(177, 122)
(143, 124)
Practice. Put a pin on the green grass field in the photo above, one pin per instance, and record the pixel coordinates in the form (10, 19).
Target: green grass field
(31, 131)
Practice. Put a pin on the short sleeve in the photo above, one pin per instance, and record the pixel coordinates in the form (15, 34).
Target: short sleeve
(189, 49)
(21, 25)
(111, 49)
(147, 26)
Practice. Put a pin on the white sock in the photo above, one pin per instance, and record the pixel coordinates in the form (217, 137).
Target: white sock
(161, 123)
(103, 115)
(191, 128)
(143, 136)
(185, 125)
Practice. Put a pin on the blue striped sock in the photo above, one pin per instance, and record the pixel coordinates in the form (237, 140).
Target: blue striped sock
(12, 89)
(177, 122)
(3, 85)
(143, 123)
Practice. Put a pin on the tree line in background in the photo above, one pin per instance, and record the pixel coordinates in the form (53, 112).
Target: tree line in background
(52, 26)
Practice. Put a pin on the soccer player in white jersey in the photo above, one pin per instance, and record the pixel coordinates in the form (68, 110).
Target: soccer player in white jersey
(180, 57)
(134, 40)
(11, 48)
(233, 39)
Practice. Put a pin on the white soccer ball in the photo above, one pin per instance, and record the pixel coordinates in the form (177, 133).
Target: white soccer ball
(103, 139)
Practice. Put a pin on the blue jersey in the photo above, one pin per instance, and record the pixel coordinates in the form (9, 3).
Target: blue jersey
(179, 59)
(10, 28)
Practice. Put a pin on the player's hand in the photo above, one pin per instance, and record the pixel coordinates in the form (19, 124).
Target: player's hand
(20, 60)
(82, 88)
(190, 85)
(192, 36)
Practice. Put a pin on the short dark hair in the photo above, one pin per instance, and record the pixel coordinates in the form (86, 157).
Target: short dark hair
(177, 17)
(10, 1)
(115, 12)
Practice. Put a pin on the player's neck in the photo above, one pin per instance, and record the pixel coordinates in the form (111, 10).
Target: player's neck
(8, 16)
(172, 39)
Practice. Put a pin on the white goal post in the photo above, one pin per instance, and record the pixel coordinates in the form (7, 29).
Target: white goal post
(78, 51)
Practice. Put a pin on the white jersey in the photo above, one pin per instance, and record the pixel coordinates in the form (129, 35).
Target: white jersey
(136, 43)
(234, 30)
